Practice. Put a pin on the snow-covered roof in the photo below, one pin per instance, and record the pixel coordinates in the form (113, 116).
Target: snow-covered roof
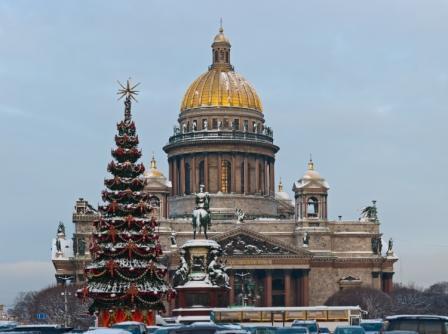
(282, 195)
(200, 243)
(7, 324)
(197, 284)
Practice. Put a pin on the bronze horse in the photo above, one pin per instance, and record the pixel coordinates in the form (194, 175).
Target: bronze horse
(201, 218)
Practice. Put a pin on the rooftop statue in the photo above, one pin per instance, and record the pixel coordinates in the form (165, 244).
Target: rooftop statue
(61, 229)
(201, 213)
(370, 212)
(240, 215)
(390, 246)
(58, 245)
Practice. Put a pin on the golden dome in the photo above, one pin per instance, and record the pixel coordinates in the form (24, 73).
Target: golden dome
(220, 37)
(221, 86)
(153, 171)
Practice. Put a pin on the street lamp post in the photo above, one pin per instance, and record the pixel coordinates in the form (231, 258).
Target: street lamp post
(65, 294)
(242, 277)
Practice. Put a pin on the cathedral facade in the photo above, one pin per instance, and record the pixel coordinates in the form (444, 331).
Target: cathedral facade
(280, 252)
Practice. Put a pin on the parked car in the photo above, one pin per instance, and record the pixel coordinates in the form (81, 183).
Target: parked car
(6, 325)
(104, 330)
(324, 330)
(190, 319)
(372, 326)
(200, 328)
(349, 330)
(42, 329)
(312, 325)
(400, 332)
(134, 327)
(293, 330)
(151, 329)
(166, 330)
(260, 329)
(422, 324)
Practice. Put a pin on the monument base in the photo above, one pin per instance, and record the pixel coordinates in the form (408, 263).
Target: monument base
(195, 295)
(202, 282)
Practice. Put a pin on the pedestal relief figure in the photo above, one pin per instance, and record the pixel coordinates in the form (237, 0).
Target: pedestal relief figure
(217, 272)
(181, 274)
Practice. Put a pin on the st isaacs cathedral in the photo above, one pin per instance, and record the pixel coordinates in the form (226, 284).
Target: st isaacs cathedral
(279, 251)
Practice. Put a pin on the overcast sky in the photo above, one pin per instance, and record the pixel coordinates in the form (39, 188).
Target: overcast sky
(362, 85)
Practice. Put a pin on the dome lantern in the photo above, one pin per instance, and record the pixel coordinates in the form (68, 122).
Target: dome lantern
(221, 51)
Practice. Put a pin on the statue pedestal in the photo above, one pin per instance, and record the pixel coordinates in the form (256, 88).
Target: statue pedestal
(195, 298)
(200, 281)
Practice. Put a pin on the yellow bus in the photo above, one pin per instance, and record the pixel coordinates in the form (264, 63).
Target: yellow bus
(322, 314)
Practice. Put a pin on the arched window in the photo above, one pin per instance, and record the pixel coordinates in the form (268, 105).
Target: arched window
(187, 178)
(201, 173)
(227, 57)
(216, 56)
(226, 176)
(312, 207)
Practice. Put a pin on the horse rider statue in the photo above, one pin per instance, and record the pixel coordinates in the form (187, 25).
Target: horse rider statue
(201, 213)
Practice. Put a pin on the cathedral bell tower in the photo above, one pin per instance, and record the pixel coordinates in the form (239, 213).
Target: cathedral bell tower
(311, 193)
(221, 51)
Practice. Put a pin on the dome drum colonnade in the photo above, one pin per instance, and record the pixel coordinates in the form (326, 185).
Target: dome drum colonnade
(222, 141)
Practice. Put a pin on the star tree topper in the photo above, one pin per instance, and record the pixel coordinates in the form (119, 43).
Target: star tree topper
(128, 91)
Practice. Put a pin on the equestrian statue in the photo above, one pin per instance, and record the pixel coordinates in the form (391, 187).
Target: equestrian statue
(201, 213)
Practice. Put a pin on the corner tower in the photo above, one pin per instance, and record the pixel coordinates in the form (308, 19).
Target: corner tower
(311, 193)
(221, 141)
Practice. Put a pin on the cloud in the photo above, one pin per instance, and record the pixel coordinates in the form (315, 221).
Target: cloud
(24, 276)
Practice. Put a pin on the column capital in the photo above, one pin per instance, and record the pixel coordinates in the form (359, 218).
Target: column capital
(376, 274)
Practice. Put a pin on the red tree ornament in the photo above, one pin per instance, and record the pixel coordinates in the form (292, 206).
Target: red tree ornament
(132, 291)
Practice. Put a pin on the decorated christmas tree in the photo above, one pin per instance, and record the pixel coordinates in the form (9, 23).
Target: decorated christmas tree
(125, 279)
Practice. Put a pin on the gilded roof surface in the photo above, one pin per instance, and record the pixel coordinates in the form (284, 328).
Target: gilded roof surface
(219, 87)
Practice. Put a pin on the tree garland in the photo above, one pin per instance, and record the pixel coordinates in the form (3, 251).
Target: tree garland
(125, 247)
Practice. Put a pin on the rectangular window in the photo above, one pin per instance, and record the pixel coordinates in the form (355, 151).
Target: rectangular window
(214, 123)
(246, 125)
(236, 124)
(225, 123)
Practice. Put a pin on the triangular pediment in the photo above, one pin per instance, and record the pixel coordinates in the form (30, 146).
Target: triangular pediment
(246, 242)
